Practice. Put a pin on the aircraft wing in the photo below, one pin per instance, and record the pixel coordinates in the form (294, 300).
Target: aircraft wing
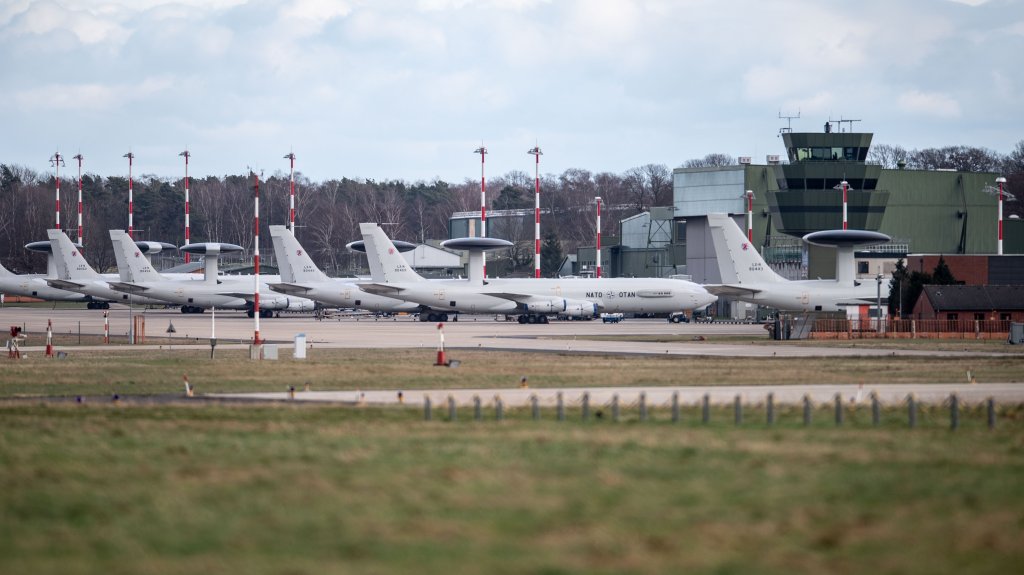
(127, 287)
(64, 284)
(731, 290)
(247, 296)
(290, 288)
(380, 288)
(516, 297)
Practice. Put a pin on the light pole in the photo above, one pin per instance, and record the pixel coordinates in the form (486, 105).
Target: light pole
(535, 151)
(57, 161)
(131, 228)
(256, 258)
(878, 302)
(483, 205)
(845, 187)
(80, 157)
(186, 154)
(598, 198)
(291, 196)
(999, 246)
(750, 216)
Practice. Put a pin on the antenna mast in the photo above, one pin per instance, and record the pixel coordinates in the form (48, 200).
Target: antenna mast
(789, 122)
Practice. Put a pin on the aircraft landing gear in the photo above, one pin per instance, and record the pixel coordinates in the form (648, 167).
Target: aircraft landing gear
(533, 318)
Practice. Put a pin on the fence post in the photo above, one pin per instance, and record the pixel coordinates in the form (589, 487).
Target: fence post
(477, 415)
(991, 407)
(426, 408)
(771, 409)
(560, 406)
(534, 407)
(643, 406)
(954, 411)
(737, 405)
(675, 407)
(586, 406)
(451, 408)
(839, 409)
(807, 410)
(705, 409)
(876, 415)
(911, 411)
(499, 408)
(615, 407)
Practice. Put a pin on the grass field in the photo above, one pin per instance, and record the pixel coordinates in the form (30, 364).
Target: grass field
(287, 489)
(124, 371)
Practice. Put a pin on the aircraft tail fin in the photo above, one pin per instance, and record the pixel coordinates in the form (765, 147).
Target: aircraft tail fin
(131, 264)
(70, 264)
(294, 263)
(738, 260)
(386, 263)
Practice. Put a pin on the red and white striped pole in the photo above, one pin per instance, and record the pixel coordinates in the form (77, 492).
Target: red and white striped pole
(750, 216)
(106, 327)
(131, 228)
(291, 196)
(57, 160)
(483, 204)
(999, 245)
(598, 236)
(256, 260)
(441, 360)
(846, 186)
(535, 151)
(186, 154)
(80, 157)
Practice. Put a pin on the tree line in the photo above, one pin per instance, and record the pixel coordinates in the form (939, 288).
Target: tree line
(328, 212)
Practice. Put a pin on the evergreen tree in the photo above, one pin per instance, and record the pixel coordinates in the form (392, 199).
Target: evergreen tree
(898, 289)
(551, 255)
(942, 275)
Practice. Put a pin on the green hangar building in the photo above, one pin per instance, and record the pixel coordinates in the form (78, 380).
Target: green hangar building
(924, 212)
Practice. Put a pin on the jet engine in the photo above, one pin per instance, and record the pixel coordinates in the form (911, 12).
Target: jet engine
(580, 308)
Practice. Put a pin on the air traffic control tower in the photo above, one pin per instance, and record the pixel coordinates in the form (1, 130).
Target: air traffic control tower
(810, 187)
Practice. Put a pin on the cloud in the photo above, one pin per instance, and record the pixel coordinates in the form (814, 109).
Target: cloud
(90, 96)
(929, 104)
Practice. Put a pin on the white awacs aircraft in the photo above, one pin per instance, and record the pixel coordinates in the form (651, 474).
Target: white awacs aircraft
(75, 274)
(227, 292)
(535, 299)
(301, 277)
(747, 277)
(35, 286)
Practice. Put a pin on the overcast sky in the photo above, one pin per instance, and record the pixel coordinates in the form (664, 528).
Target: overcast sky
(408, 89)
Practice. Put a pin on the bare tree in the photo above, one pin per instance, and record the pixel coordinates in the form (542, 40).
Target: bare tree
(888, 156)
(710, 161)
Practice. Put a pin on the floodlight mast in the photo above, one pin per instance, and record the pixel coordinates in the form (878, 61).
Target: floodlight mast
(131, 228)
(536, 153)
(256, 258)
(57, 161)
(291, 197)
(598, 199)
(999, 244)
(483, 205)
(750, 216)
(845, 187)
(80, 157)
(186, 154)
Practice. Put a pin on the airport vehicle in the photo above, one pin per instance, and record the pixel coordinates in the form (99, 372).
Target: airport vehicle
(300, 276)
(534, 299)
(195, 295)
(611, 317)
(747, 277)
(75, 274)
